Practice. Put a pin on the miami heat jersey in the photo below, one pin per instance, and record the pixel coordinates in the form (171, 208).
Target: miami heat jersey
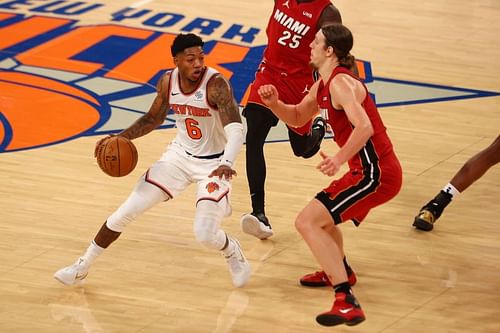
(291, 28)
(378, 146)
(199, 128)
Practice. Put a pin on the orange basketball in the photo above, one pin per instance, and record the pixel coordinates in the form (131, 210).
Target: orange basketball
(116, 156)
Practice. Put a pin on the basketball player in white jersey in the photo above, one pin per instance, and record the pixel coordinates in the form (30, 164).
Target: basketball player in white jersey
(209, 137)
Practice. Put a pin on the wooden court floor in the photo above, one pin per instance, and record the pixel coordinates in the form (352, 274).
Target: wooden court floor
(156, 278)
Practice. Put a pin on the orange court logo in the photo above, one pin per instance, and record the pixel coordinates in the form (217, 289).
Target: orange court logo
(60, 79)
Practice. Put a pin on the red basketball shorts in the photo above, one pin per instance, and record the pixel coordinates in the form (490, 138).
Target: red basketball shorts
(291, 89)
(358, 191)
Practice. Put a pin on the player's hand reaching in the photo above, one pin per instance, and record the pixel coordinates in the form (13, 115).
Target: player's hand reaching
(223, 171)
(269, 95)
(329, 165)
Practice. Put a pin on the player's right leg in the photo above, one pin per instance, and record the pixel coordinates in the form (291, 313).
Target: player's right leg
(259, 122)
(469, 173)
(320, 278)
(477, 166)
(147, 193)
(311, 224)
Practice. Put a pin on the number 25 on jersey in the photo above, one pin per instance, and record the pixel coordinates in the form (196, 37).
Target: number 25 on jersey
(287, 39)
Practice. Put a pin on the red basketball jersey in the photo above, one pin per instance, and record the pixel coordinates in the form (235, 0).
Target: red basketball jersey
(377, 148)
(291, 28)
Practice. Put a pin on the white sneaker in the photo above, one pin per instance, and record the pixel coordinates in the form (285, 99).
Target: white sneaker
(255, 227)
(71, 274)
(238, 265)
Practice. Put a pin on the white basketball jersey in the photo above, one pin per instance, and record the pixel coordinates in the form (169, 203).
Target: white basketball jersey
(199, 129)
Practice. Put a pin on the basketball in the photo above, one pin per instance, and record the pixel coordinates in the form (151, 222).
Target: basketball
(116, 156)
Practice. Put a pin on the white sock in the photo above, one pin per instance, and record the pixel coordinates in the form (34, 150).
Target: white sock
(93, 251)
(229, 248)
(450, 189)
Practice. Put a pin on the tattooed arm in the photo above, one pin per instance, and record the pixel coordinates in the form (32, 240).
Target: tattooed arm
(156, 114)
(220, 93)
(152, 119)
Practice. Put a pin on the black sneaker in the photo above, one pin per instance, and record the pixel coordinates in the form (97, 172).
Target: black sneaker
(429, 214)
(318, 126)
(424, 220)
(256, 224)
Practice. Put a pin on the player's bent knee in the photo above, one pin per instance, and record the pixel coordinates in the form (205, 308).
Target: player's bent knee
(206, 228)
(302, 225)
(141, 199)
(117, 221)
(207, 238)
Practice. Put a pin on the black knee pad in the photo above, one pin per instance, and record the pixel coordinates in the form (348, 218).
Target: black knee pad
(299, 143)
(307, 145)
(310, 153)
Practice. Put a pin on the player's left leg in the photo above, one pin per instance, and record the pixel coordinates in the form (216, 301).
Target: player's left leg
(212, 204)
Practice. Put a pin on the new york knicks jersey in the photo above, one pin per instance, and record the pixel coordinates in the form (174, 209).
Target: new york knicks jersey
(199, 129)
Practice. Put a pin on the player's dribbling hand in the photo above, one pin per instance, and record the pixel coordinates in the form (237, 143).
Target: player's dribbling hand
(269, 95)
(329, 165)
(223, 171)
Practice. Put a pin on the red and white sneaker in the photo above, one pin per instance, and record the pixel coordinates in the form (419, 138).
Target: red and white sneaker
(345, 310)
(320, 279)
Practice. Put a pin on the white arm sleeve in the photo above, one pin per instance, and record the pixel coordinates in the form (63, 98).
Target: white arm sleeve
(235, 137)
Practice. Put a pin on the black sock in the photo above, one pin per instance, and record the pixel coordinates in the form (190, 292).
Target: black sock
(443, 198)
(343, 287)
